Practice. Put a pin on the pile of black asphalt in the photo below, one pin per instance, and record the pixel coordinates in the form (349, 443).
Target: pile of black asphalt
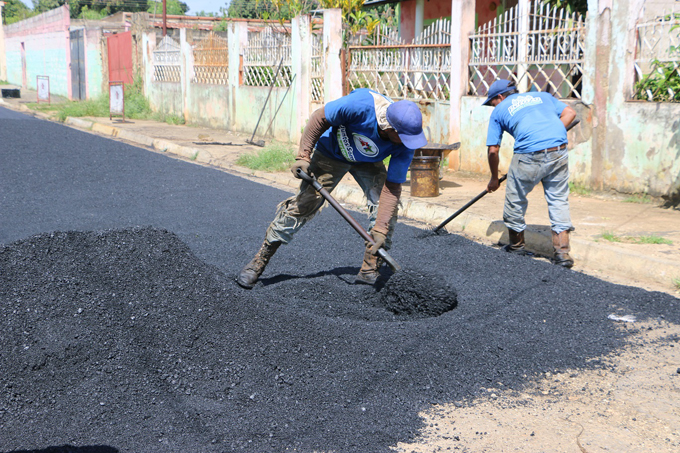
(122, 329)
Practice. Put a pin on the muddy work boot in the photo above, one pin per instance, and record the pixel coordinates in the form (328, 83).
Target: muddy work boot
(369, 272)
(516, 244)
(249, 274)
(561, 246)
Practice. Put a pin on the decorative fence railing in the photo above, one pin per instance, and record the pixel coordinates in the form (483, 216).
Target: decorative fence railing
(166, 61)
(540, 49)
(420, 70)
(211, 60)
(657, 60)
(318, 68)
(266, 50)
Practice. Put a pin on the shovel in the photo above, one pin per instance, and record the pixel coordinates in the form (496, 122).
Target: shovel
(345, 215)
(474, 200)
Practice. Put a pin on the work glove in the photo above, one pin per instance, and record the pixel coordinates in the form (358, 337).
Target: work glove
(379, 239)
(302, 164)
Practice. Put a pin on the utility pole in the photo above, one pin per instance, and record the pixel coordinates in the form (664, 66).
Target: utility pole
(165, 18)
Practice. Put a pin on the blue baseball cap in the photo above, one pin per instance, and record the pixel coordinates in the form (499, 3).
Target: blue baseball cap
(406, 119)
(498, 87)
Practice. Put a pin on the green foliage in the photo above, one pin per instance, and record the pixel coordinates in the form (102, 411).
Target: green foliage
(275, 157)
(578, 189)
(249, 9)
(572, 6)
(663, 83)
(609, 236)
(676, 282)
(653, 239)
(87, 13)
(172, 7)
(639, 198)
(4, 82)
(14, 11)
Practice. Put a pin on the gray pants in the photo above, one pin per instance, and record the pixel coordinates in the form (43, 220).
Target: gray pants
(526, 170)
(294, 212)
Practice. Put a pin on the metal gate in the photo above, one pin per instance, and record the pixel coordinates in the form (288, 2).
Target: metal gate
(77, 64)
(120, 57)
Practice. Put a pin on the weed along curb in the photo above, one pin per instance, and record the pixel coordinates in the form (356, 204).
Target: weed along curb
(600, 257)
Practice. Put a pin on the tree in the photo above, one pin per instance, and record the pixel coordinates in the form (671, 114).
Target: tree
(14, 11)
(249, 9)
(174, 7)
(572, 6)
(92, 8)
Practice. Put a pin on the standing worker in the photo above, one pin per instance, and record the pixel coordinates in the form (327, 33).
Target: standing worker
(538, 123)
(352, 134)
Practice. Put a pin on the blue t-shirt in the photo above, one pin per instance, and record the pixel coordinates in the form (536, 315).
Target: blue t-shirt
(533, 119)
(354, 135)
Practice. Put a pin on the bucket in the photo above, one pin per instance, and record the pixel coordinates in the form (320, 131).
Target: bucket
(425, 176)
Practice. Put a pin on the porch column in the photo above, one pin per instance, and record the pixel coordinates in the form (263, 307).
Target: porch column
(301, 47)
(186, 58)
(332, 44)
(462, 26)
(522, 46)
(3, 58)
(237, 39)
(420, 17)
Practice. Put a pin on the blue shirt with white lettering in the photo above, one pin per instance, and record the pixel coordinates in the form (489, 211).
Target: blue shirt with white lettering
(533, 119)
(354, 135)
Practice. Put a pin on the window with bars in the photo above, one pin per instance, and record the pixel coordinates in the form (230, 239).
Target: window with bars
(657, 60)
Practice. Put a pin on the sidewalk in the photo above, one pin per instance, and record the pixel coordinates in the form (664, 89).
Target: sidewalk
(651, 266)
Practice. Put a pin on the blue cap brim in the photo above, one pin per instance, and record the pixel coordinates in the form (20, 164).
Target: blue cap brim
(413, 141)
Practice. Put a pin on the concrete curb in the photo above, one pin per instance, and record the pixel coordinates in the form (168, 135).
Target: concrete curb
(598, 256)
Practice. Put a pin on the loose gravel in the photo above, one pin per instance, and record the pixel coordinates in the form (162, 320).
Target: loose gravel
(122, 328)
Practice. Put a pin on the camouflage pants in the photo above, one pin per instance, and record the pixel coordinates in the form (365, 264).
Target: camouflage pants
(294, 212)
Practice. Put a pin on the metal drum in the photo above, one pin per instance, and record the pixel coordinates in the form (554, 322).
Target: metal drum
(425, 176)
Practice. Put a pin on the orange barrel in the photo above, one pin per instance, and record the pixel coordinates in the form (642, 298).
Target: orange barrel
(425, 176)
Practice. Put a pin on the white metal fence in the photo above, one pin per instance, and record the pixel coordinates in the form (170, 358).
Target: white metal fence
(211, 59)
(318, 68)
(167, 61)
(540, 49)
(657, 59)
(420, 70)
(268, 49)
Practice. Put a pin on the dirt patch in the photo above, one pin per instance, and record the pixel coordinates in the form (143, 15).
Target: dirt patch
(633, 406)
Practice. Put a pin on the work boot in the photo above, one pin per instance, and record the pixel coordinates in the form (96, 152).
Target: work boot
(249, 274)
(369, 272)
(561, 246)
(516, 244)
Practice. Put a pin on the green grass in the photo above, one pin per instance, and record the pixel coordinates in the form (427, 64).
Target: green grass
(4, 82)
(136, 107)
(676, 282)
(578, 189)
(653, 240)
(609, 236)
(275, 157)
(639, 198)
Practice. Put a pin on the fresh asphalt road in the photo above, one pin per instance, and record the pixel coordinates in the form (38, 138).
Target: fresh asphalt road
(122, 329)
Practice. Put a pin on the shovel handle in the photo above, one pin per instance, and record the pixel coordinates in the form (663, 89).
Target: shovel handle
(345, 215)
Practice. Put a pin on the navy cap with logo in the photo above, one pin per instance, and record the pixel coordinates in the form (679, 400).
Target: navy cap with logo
(405, 117)
(498, 87)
